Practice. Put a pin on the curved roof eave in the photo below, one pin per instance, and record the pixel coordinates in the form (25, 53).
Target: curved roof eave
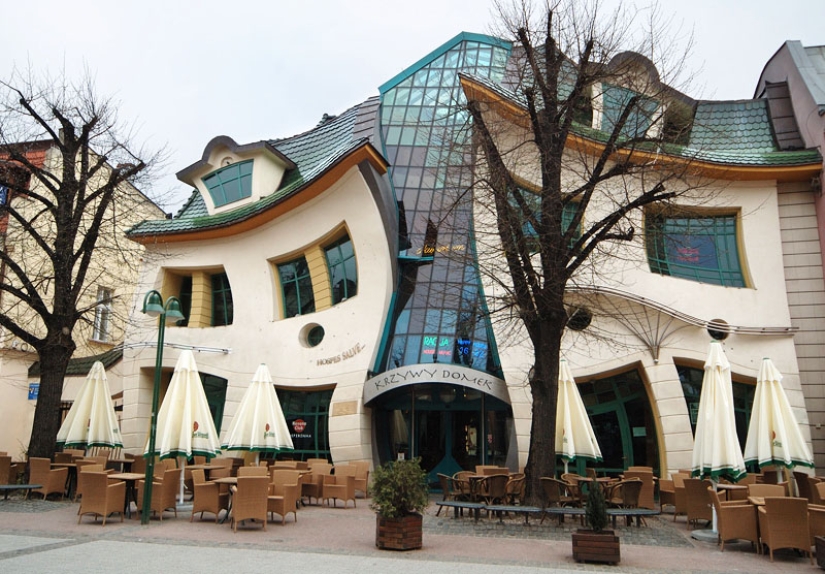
(299, 196)
(516, 113)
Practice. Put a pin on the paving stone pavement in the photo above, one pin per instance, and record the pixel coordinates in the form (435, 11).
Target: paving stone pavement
(44, 536)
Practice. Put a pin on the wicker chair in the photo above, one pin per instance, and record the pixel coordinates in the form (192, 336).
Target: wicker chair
(253, 471)
(735, 520)
(555, 492)
(698, 505)
(102, 497)
(208, 496)
(783, 523)
(494, 488)
(53, 480)
(803, 487)
(164, 493)
(249, 501)
(515, 489)
(816, 521)
(339, 486)
(646, 496)
(5, 469)
(362, 476)
(284, 492)
(313, 484)
(81, 477)
(574, 488)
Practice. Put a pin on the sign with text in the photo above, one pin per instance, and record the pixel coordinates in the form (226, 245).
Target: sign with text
(435, 373)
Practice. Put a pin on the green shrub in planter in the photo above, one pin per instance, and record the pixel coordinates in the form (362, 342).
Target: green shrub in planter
(596, 510)
(399, 488)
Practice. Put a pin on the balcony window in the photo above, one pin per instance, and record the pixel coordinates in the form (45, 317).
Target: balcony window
(103, 315)
(222, 308)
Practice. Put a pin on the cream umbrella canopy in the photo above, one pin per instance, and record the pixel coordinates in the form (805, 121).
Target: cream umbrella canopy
(185, 426)
(574, 433)
(716, 450)
(91, 420)
(259, 424)
(774, 438)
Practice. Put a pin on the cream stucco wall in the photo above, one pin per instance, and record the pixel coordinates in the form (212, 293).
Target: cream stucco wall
(649, 322)
(260, 334)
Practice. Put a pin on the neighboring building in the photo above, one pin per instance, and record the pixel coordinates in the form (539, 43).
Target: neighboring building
(107, 297)
(373, 317)
(793, 83)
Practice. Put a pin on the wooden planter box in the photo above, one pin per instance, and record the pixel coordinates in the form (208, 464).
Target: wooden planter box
(591, 547)
(402, 533)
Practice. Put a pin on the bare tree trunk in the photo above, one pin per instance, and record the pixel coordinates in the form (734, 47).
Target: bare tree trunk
(54, 359)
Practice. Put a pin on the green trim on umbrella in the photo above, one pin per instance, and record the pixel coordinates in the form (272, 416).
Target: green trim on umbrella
(779, 462)
(256, 449)
(80, 444)
(183, 453)
(581, 456)
(729, 472)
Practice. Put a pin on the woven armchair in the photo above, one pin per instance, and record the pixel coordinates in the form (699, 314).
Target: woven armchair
(283, 494)
(53, 480)
(82, 471)
(249, 501)
(646, 495)
(515, 489)
(783, 523)
(494, 488)
(253, 471)
(766, 490)
(208, 496)
(102, 497)
(164, 493)
(698, 505)
(5, 469)
(555, 492)
(735, 520)
(362, 476)
(313, 483)
(339, 486)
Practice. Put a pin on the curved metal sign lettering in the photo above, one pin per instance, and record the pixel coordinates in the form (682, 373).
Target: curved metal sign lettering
(435, 373)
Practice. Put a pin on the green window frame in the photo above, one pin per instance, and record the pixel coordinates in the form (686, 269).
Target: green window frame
(343, 272)
(296, 288)
(743, 394)
(568, 213)
(185, 298)
(699, 248)
(616, 99)
(307, 416)
(222, 306)
(231, 183)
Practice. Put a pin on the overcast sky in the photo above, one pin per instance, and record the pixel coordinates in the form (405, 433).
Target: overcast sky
(187, 71)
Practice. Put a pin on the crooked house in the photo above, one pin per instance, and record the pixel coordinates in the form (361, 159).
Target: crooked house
(338, 258)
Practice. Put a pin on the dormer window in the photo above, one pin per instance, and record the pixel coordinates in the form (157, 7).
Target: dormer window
(231, 183)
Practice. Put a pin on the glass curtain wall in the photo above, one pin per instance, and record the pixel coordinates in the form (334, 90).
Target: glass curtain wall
(439, 314)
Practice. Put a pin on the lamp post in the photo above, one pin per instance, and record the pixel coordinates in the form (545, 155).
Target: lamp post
(154, 307)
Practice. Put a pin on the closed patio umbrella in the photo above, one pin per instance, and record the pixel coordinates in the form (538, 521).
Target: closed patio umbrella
(716, 450)
(91, 420)
(259, 424)
(185, 426)
(574, 433)
(774, 438)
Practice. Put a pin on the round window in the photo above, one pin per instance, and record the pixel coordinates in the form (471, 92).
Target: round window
(579, 319)
(315, 336)
(718, 329)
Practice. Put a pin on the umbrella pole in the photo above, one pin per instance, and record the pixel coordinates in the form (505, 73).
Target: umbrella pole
(182, 473)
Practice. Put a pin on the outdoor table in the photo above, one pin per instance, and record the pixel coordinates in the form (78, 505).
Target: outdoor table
(206, 468)
(7, 488)
(231, 481)
(71, 478)
(130, 478)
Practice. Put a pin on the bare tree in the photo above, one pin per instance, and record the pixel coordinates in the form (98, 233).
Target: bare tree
(68, 171)
(572, 147)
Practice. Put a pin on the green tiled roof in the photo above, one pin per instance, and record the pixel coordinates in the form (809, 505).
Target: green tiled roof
(82, 366)
(312, 152)
(734, 133)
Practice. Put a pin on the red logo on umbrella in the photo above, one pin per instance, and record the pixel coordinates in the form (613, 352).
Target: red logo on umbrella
(773, 435)
(267, 427)
(299, 425)
(195, 426)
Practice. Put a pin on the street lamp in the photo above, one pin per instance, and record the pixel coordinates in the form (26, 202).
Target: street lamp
(154, 307)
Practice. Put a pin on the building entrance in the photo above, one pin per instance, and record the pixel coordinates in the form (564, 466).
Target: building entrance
(449, 427)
